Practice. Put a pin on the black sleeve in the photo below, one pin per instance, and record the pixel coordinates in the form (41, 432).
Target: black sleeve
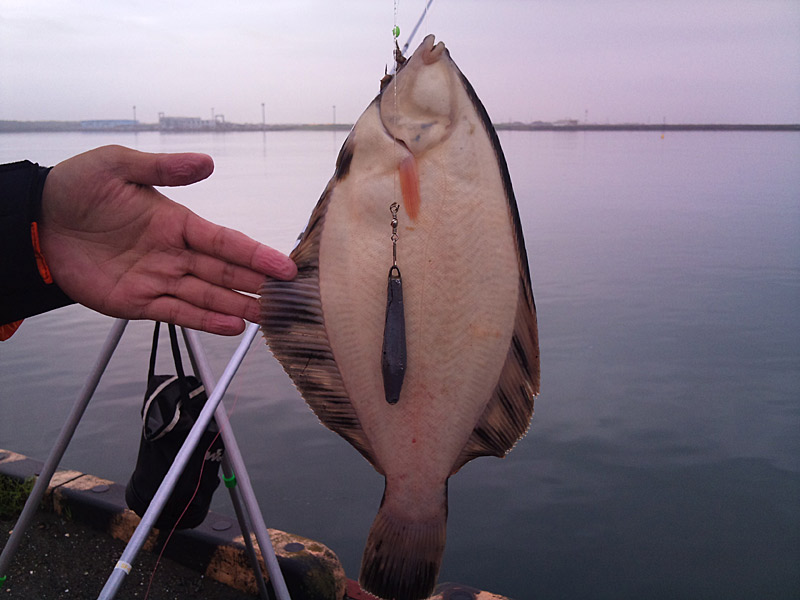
(24, 291)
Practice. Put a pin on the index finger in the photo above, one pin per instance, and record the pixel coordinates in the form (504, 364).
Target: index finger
(236, 248)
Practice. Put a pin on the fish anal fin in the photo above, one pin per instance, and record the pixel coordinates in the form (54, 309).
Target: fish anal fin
(508, 414)
(402, 556)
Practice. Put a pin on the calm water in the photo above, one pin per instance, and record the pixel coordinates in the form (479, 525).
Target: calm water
(664, 456)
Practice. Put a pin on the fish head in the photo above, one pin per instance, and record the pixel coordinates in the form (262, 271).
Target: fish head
(418, 105)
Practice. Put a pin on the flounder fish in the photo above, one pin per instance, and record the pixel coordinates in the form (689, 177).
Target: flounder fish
(410, 328)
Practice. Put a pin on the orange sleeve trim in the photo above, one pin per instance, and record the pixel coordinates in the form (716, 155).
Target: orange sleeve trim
(6, 331)
(44, 270)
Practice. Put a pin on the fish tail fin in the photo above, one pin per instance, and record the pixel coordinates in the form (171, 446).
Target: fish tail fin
(402, 556)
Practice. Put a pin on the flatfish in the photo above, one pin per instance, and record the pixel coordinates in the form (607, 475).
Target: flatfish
(410, 328)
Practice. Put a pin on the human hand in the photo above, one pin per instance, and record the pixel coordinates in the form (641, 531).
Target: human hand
(117, 245)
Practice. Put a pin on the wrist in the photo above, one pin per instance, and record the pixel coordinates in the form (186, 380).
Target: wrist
(26, 285)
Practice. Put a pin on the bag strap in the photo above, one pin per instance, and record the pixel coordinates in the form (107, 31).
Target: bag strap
(152, 370)
(176, 353)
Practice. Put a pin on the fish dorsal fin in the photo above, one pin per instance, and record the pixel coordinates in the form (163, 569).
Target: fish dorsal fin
(294, 327)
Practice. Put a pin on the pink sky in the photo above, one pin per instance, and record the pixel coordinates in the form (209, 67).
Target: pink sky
(684, 60)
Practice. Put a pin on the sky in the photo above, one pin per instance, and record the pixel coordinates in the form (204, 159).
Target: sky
(646, 61)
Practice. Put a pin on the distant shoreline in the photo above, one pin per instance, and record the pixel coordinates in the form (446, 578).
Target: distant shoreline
(79, 126)
(646, 127)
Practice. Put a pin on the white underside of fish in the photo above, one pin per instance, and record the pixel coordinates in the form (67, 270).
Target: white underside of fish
(460, 287)
(470, 327)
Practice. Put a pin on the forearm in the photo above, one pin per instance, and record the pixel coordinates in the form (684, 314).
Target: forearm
(26, 288)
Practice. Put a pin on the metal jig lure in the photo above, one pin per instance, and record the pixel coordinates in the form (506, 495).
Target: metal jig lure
(393, 359)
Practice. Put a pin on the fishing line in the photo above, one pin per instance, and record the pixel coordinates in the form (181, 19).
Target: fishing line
(175, 527)
(395, 206)
(393, 350)
(414, 31)
(395, 29)
(396, 33)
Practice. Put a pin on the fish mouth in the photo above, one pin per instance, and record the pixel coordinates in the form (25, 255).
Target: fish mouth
(417, 115)
(430, 51)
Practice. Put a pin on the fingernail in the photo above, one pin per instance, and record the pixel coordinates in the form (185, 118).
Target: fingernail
(281, 268)
(291, 269)
(225, 325)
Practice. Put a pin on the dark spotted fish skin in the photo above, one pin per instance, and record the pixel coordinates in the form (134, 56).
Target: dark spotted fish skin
(470, 322)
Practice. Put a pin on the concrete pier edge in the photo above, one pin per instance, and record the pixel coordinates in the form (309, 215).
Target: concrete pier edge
(215, 548)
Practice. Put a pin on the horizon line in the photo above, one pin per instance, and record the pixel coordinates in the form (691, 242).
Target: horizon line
(199, 125)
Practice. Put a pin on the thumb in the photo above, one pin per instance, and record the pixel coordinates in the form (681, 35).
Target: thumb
(162, 169)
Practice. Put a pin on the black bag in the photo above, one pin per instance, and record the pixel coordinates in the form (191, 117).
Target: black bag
(172, 405)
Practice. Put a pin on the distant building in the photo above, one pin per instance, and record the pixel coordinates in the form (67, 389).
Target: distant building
(183, 123)
(109, 125)
(190, 123)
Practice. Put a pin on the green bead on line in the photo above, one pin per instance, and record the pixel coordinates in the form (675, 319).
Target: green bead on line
(396, 32)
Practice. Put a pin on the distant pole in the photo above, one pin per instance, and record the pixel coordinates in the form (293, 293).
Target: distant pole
(263, 117)
(334, 115)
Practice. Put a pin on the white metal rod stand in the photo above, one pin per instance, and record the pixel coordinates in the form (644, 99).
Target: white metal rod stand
(236, 500)
(233, 463)
(152, 513)
(60, 446)
(194, 348)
